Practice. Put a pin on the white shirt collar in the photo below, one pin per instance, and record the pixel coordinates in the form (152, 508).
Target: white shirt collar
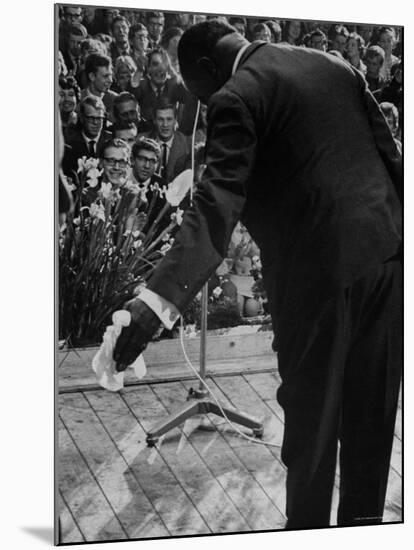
(168, 143)
(88, 139)
(238, 57)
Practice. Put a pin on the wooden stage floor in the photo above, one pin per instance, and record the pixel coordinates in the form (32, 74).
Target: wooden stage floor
(199, 480)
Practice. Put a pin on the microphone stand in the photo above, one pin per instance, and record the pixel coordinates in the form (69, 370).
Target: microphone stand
(198, 400)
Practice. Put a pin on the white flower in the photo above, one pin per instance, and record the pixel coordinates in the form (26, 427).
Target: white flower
(76, 221)
(97, 211)
(106, 188)
(217, 292)
(136, 233)
(165, 248)
(92, 176)
(137, 243)
(166, 237)
(154, 187)
(179, 187)
(87, 164)
(179, 217)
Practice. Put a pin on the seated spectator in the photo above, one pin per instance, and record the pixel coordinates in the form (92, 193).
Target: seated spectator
(71, 15)
(88, 18)
(175, 147)
(292, 32)
(115, 162)
(374, 59)
(133, 16)
(338, 38)
(62, 69)
(105, 40)
(145, 159)
(155, 26)
(126, 109)
(124, 70)
(387, 41)
(120, 45)
(393, 91)
(88, 46)
(138, 40)
(275, 29)
(88, 137)
(98, 69)
(239, 23)
(178, 19)
(160, 82)
(261, 32)
(69, 96)
(127, 131)
(169, 42)
(74, 35)
(366, 32)
(390, 112)
(354, 51)
(318, 40)
(103, 20)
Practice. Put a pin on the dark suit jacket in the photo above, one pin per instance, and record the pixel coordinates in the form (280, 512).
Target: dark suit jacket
(297, 149)
(76, 148)
(179, 157)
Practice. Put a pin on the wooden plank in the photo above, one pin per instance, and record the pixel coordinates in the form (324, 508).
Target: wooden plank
(393, 499)
(68, 531)
(83, 495)
(130, 505)
(75, 376)
(156, 479)
(260, 462)
(249, 498)
(208, 497)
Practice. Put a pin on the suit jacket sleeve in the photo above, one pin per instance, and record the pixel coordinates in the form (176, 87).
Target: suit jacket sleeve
(386, 145)
(204, 236)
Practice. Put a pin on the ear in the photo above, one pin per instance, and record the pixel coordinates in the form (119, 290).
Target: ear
(206, 65)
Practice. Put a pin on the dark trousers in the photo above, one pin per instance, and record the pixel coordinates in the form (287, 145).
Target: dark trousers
(340, 371)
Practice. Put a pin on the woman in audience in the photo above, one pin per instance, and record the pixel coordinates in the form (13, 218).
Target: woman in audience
(169, 42)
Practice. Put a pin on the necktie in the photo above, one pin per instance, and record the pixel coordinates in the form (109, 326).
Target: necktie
(164, 161)
(92, 148)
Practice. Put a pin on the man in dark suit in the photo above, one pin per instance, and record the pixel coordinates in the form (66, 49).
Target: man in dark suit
(88, 137)
(145, 159)
(175, 146)
(298, 149)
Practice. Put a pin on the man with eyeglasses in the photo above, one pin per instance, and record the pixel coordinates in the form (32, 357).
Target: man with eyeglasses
(146, 154)
(116, 162)
(88, 137)
(155, 26)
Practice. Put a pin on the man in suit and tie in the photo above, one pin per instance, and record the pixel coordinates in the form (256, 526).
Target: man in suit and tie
(298, 149)
(88, 137)
(175, 146)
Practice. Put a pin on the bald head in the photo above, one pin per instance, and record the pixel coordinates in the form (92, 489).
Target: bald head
(206, 53)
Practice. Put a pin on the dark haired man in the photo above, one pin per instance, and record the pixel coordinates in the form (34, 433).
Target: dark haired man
(286, 130)
(127, 131)
(155, 26)
(74, 35)
(98, 71)
(88, 137)
(126, 109)
(175, 146)
(120, 45)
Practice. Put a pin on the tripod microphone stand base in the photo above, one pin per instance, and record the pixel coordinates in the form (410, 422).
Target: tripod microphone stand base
(199, 403)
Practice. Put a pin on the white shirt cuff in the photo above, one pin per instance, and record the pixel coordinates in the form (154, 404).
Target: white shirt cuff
(165, 310)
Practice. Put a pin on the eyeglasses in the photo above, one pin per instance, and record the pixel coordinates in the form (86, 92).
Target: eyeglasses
(94, 119)
(153, 162)
(113, 162)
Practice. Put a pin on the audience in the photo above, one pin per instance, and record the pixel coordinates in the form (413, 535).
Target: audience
(119, 77)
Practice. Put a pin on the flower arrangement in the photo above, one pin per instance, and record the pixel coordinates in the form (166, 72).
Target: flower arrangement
(109, 247)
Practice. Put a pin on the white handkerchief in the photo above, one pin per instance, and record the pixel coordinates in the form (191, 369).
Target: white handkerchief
(103, 364)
